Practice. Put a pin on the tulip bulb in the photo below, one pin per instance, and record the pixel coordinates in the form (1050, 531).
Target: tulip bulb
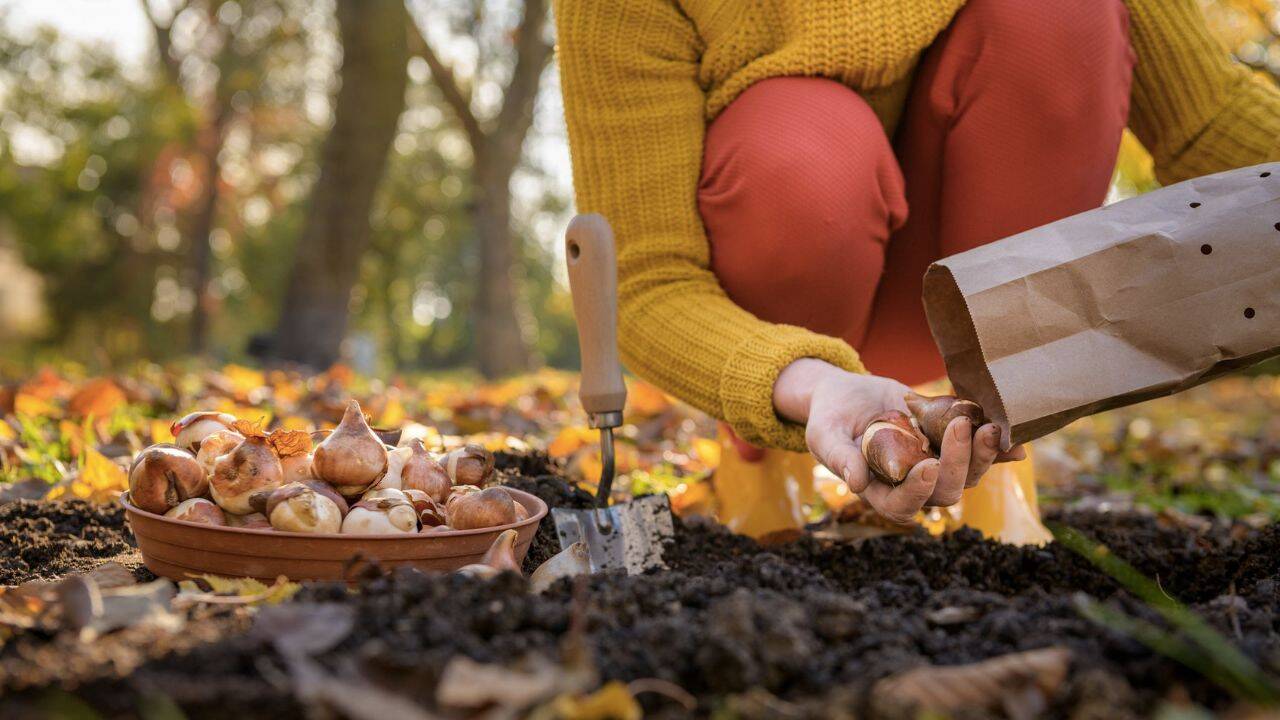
(198, 510)
(301, 508)
(385, 516)
(430, 512)
(162, 476)
(491, 507)
(499, 558)
(425, 473)
(351, 458)
(892, 446)
(216, 445)
(252, 521)
(293, 447)
(570, 562)
(469, 465)
(252, 466)
(934, 414)
(190, 431)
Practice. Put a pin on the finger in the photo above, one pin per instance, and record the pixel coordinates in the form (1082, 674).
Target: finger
(986, 446)
(900, 504)
(954, 462)
(841, 455)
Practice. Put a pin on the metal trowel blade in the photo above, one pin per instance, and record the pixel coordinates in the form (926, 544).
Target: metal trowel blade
(634, 543)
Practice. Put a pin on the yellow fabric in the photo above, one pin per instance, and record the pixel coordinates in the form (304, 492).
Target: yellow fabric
(641, 78)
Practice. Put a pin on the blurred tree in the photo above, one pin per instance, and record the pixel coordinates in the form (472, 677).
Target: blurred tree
(313, 318)
(216, 64)
(495, 128)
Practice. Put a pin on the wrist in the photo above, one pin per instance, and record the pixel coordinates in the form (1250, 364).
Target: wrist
(793, 389)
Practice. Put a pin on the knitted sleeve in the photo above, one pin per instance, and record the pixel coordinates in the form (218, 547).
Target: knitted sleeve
(634, 109)
(1196, 111)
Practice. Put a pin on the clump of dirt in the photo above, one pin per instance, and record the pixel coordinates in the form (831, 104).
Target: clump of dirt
(802, 629)
(43, 540)
(538, 474)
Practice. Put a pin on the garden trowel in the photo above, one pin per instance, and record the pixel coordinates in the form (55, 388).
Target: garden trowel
(627, 536)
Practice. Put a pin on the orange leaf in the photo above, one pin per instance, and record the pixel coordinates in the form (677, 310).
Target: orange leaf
(288, 443)
(46, 385)
(98, 398)
(568, 440)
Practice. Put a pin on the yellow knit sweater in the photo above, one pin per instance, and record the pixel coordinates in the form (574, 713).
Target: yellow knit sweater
(641, 78)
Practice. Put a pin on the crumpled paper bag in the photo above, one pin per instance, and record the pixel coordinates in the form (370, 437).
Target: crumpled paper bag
(1143, 298)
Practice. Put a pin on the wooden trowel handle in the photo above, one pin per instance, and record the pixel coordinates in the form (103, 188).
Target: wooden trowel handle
(593, 281)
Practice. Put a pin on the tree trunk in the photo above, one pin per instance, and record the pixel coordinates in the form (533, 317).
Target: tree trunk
(202, 226)
(313, 319)
(500, 345)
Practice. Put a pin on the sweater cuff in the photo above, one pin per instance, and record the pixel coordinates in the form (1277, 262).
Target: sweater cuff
(1245, 132)
(746, 383)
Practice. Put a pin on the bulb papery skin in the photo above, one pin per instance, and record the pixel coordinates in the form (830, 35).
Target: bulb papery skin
(438, 529)
(190, 431)
(430, 512)
(380, 517)
(469, 465)
(296, 468)
(215, 446)
(423, 472)
(162, 476)
(396, 460)
(351, 458)
(299, 508)
(380, 493)
(198, 510)
(501, 555)
(252, 521)
(249, 468)
(491, 507)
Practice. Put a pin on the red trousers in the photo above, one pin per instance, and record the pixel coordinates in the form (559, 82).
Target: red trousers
(816, 219)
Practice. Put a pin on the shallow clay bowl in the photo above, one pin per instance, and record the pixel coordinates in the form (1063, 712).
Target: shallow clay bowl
(179, 549)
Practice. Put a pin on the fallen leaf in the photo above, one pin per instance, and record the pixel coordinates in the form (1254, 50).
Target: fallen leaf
(613, 701)
(305, 628)
(1019, 683)
(92, 611)
(98, 398)
(235, 591)
(468, 684)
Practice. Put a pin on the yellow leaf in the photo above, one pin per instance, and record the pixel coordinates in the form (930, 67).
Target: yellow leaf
(34, 406)
(7, 432)
(104, 479)
(613, 701)
(393, 415)
(243, 379)
(708, 451)
(160, 432)
(73, 435)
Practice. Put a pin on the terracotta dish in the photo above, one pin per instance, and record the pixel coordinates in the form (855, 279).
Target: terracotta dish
(178, 549)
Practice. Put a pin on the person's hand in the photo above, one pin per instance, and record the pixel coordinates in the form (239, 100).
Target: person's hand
(837, 406)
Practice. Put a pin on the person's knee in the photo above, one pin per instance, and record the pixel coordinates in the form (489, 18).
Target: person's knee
(1066, 56)
(800, 188)
(802, 158)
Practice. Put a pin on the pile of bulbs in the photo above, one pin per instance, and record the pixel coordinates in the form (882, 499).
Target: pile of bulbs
(224, 471)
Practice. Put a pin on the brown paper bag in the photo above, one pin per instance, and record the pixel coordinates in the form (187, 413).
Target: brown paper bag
(1143, 298)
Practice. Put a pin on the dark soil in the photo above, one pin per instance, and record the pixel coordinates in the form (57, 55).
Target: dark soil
(800, 629)
(43, 540)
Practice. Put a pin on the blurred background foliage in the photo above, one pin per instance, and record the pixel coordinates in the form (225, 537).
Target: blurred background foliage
(155, 208)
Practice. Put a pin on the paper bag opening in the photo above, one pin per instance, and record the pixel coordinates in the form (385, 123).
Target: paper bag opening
(1121, 304)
